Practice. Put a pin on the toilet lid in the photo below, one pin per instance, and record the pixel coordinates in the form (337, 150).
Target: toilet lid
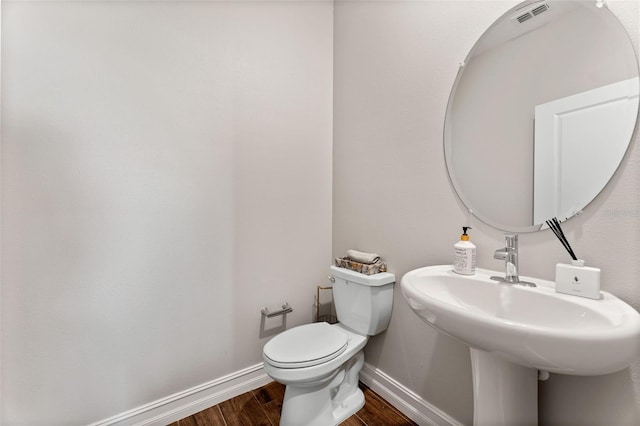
(305, 346)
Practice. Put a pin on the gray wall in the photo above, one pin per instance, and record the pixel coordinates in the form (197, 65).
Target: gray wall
(395, 64)
(161, 162)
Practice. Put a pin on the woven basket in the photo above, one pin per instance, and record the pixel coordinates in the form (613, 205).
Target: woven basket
(363, 268)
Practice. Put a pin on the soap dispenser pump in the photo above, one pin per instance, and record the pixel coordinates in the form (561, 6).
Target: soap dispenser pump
(464, 255)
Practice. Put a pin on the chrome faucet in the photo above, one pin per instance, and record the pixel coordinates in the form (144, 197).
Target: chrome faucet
(510, 256)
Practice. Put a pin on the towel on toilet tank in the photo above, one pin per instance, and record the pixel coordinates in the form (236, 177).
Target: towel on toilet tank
(362, 257)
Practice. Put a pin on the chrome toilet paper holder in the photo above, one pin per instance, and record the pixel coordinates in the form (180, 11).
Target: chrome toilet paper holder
(286, 308)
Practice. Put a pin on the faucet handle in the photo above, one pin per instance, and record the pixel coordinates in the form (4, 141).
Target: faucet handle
(511, 241)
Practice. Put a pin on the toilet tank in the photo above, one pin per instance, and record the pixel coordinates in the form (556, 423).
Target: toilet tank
(363, 302)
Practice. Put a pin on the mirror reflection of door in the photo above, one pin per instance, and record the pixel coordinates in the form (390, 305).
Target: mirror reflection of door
(537, 53)
(570, 169)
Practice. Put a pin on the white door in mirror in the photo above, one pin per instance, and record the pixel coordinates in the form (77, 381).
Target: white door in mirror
(569, 169)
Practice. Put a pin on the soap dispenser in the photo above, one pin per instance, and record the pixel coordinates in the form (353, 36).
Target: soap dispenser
(464, 255)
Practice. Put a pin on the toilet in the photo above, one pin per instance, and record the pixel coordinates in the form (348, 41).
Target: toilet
(320, 363)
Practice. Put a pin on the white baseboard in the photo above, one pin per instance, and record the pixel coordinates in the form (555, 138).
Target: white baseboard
(190, 401)
(405, 400)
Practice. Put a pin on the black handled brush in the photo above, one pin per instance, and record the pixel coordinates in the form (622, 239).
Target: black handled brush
(554, 224)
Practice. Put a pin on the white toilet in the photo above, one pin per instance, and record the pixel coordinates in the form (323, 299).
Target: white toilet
(320, 363)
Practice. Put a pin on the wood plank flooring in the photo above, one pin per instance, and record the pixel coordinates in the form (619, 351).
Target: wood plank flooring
(261, 407)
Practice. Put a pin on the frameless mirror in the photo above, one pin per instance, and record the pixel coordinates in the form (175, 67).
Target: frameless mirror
(541, 113)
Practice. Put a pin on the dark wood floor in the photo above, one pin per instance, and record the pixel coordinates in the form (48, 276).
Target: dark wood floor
(261, 407)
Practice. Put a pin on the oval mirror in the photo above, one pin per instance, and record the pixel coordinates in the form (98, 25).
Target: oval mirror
(541, 113)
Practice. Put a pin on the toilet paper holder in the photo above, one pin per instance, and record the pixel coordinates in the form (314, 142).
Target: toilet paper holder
(286, 308)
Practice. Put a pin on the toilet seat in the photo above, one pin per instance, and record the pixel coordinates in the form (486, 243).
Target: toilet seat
(306, 346)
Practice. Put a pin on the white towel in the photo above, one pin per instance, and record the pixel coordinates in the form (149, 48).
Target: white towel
(362, 257)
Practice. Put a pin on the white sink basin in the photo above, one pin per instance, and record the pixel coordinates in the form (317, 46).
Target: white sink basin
(531, 327)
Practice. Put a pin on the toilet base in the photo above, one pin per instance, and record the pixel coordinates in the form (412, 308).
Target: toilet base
(352, 404)
(329, 402)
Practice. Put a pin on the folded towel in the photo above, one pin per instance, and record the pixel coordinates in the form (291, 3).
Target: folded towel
(362, 257)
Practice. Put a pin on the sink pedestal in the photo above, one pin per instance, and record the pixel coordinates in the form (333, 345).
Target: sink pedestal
(504, 394)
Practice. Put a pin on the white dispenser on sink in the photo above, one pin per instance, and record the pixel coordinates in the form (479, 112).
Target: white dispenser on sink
(464, 262)
(578, 280)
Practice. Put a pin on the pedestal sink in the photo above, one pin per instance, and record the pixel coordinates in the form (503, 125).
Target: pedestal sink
(515, 331)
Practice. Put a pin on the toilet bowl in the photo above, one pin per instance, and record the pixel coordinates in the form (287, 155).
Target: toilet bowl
(320, 363)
